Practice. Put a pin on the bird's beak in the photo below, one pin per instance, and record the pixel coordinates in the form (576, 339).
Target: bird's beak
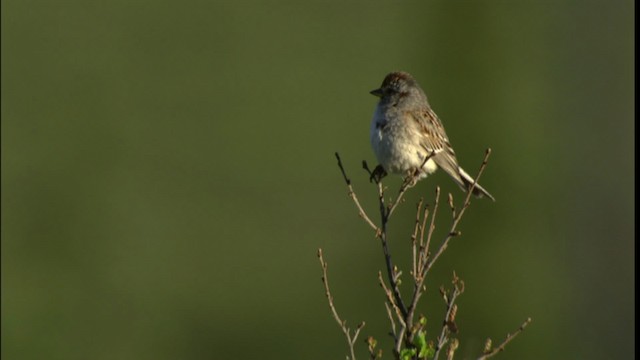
(376, 92)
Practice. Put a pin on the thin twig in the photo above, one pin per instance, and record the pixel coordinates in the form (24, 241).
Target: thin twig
(381, 232)
(449, 316)
(426, 266)
(407, 184)
(419, 277)
(343, 324)
(453, 232)
(398, 336)
(391, 273)
(432, 227)
(392, 320)
(423, 249)
(353, 196)
(403, 189)
(422, 272)
(506, 341)
(452, 206)
(391, 300)
(414, 242)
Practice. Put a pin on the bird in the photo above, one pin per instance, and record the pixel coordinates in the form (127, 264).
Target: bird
(408, 138)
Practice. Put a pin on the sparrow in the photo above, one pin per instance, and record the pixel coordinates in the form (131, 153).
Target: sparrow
(408, 138)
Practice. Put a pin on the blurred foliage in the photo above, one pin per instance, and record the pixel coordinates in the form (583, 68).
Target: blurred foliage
(168, 174)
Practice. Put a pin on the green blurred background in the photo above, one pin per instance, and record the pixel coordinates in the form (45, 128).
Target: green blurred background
(168, 174)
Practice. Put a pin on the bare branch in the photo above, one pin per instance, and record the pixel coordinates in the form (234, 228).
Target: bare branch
(409, 335)
(403, 189)
(452, 206)
(392, 320)
(488, 354)
(423, 253)
(343, 324)
(453, 232)
(414, 242)
(419, 277)
(448, 325)
(407, 184)
(391, 270)
(352, 195)
(391, 300)
(432, 227)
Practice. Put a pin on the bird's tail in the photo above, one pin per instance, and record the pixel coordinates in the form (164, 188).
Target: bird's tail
(467, 182)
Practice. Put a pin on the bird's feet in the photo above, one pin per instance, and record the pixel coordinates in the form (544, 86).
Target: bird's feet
(411, 179)
(377, 174)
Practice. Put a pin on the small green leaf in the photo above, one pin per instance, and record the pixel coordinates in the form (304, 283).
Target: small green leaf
(420, 342)
(407, 354)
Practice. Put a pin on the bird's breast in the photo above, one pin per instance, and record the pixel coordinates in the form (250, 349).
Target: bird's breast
(397, 143)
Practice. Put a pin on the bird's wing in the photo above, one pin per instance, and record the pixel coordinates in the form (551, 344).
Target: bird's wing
(434, 139)
(436, 143)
